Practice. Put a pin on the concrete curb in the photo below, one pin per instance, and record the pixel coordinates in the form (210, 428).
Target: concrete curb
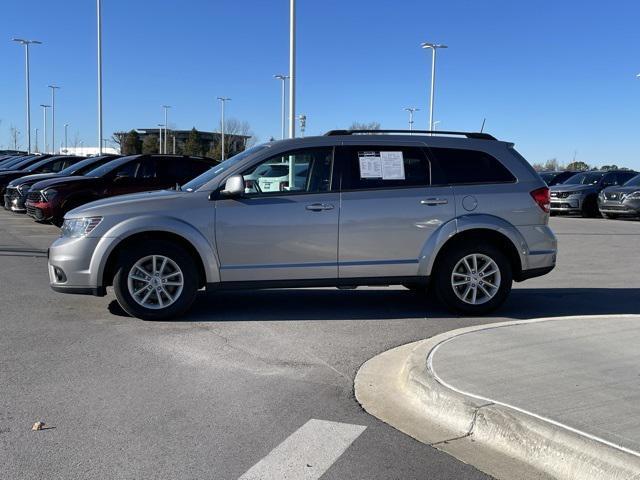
(400, 388)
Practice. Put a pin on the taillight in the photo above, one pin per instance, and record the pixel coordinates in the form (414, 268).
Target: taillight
(542, 197)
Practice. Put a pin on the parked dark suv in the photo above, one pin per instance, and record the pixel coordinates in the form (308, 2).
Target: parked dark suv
(51, 199)
(579, 194)
(555, 178)
(621, 201)
(45, 164)
(18, 189)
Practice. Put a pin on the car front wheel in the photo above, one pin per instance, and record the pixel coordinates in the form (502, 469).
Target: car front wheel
(155, 281)
(473, 279)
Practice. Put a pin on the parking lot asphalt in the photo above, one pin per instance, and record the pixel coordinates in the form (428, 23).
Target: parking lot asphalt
(232, 387)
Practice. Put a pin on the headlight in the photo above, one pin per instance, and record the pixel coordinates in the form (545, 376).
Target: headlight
(634, 195)
(23, 189)
(49, 194)
(79, 227)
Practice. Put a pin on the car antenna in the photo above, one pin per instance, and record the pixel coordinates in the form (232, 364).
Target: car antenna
(482, 127)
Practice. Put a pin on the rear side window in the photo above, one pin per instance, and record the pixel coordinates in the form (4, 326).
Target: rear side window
(457, 166)
(378, 167)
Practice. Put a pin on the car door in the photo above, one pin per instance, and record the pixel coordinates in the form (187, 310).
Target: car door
(389, 209)
(288, 232)
(123, 179)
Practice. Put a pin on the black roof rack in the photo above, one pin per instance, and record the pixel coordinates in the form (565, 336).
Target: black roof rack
(475, 135)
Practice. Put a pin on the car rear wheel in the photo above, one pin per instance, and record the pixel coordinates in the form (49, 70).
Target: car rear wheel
(473, 279)
(156, 281)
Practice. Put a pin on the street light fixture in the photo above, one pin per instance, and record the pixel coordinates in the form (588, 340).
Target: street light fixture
(223, 100)
(303, 123)
(53, 117)
(411, 111)
(433, 47)
(26, 44)
(166, 108)
(284, 79)
(45, 147)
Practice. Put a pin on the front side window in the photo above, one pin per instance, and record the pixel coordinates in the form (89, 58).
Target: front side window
(128, 170)
(379, 167)
(457, 166)
(300, 171)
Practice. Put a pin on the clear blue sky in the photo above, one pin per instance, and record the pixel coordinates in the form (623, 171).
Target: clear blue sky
(552, 76)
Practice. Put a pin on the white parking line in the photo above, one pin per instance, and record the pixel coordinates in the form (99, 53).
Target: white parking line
(307, 453)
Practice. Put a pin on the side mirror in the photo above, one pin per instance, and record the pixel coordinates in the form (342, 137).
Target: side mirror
(122, 179)
(234, 187)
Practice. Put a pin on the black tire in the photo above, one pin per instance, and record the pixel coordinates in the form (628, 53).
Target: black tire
(445, 268)
(590, 208)
(177, 254)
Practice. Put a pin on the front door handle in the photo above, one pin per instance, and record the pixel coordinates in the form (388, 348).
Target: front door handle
(319, 207)
(434, 201)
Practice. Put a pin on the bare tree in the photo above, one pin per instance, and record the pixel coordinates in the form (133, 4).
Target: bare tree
(238, 137)
(365, 126)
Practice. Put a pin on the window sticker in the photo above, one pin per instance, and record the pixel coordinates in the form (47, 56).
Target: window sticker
(392, 165)
(370, 164)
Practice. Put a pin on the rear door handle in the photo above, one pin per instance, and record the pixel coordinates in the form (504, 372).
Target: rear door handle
(434, 201)
(318, 207)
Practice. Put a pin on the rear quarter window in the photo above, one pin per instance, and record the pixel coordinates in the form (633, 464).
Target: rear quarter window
(457, 166)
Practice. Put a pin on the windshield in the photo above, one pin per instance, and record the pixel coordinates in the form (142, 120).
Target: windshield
(84, 166)
(41, 163)
(634, 182)
(584, 178)
(212, 173)
(547, 177)
(18, 162)
(102, 170)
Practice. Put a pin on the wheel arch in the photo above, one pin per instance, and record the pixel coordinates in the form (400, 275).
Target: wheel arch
(106, 253)
(477, 228)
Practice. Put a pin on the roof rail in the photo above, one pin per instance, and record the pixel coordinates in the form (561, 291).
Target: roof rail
(475, 135)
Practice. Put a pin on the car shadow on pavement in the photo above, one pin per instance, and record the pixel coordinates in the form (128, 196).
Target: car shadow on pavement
(380, 304)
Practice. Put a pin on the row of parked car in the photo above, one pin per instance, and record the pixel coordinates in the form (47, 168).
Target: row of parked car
(610, 193)
(46, 187)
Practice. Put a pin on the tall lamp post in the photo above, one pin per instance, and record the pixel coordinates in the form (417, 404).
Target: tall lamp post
(36, 149)
(66, 144)
(433, 47)
(292, 68)
(53, 117)
(284, 79)
(160, 126)
(223, 100)
(99, 29)
(166, 108)
(411, 111)
(45, 147)
(26, 44)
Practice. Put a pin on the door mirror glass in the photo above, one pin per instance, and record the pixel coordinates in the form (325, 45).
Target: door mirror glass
(234, 187)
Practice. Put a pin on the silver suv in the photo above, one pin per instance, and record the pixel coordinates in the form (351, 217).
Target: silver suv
(463, 213)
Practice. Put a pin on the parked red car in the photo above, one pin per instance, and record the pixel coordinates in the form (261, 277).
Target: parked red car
(51, 199)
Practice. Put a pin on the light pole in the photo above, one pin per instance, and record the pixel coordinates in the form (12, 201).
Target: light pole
(411, 111)
(99, 25)
(433, 47)
(435, 125)
(160, 125)
(66, 144)
(45, 147)
(26, 44)
(36, 149)
(166, 107)
(53, 117)
(284, 79)
(292, 68)
(222, 102)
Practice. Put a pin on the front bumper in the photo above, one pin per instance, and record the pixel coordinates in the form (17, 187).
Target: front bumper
(41, 211)
(69, 266)
(628, 207)
(14, 201)
(571, 204)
